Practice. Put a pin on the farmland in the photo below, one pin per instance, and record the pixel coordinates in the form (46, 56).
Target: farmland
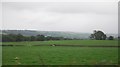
(29, 54)
(67, 42)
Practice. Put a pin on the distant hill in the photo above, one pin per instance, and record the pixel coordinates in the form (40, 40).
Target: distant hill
(51, 33)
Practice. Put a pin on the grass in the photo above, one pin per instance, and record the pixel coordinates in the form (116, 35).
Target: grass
(67, 42)
(60, 55)
(0, 55)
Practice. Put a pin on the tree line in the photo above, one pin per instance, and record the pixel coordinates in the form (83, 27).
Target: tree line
(20, 37)
(97, 35)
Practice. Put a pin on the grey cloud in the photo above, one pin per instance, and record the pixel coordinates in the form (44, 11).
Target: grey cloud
(62, 16)
(65, 7)
(94, 7)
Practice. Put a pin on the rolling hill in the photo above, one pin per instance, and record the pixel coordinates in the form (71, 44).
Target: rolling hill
(51, 33)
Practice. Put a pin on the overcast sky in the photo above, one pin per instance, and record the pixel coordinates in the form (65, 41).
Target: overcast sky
(61, 16)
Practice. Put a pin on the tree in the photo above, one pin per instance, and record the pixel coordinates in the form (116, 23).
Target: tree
(110, 38)
(8, 38)
(98, 35)
(19, 37)
(33, 38)
(40, 37)
(27, 38)
(92, 36)
(12, 37)
(118, 37)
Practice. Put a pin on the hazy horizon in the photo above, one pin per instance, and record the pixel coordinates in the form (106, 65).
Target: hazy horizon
(61, 31)
(61, 16)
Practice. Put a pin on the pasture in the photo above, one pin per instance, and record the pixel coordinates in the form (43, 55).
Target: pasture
(66, 42)
(28, 54)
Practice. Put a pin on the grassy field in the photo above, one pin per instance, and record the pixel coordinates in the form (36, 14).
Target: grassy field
(0, 55)
(67, 42)
(60, 55)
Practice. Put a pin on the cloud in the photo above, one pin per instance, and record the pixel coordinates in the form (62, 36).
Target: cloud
(64, 7)
(76, 17)
(83, 7)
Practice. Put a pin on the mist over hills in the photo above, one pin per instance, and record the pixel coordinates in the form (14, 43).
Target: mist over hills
(52, 33)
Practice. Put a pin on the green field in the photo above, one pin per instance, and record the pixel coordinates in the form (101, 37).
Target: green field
(61, 55)
(67, 42)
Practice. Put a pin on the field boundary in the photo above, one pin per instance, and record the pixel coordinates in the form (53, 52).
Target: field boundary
(64, 45)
